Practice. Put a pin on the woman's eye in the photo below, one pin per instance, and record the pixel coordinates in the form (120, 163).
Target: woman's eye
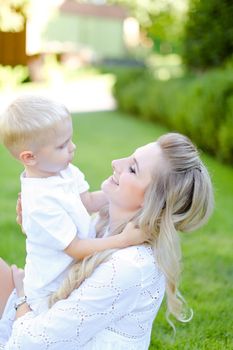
(132, 170)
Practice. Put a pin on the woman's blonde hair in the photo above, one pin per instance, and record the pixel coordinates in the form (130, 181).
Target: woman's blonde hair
(28, 120)
(179, 198)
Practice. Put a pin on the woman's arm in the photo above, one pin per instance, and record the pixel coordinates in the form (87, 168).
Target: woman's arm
(6, 284)
(109, 294)
(18, 277)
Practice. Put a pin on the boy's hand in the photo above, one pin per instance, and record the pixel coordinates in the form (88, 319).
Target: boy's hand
(132, 235)
(18, 276)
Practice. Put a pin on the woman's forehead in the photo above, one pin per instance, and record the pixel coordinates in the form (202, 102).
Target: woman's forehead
(148, 155)
(148, 149)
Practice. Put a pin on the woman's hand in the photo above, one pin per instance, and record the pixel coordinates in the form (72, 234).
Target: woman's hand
(18, 276)
(19, 211)
(132, 235)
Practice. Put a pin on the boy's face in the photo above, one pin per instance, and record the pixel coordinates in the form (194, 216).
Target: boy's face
(58, 152)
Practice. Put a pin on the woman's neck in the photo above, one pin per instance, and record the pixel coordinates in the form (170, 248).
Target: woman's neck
(117, 217)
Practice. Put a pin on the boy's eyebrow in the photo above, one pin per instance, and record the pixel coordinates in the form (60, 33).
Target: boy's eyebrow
(64, 142)
(69, 138)
(136, 162)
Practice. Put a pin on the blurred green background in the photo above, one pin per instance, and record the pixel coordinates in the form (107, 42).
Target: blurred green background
(137, 69)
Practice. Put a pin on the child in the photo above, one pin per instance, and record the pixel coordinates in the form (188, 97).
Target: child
(54, 195)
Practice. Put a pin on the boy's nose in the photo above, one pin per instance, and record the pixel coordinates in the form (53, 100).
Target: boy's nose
(72, 147)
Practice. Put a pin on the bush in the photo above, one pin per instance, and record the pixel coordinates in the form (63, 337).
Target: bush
(208, 39)
(129, 78)
(11, 77)
(226, 132)
(200, 107)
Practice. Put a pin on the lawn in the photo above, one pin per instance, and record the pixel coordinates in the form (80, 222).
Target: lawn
(207, 281)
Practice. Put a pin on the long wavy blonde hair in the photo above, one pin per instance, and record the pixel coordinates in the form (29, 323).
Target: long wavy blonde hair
(179, 199)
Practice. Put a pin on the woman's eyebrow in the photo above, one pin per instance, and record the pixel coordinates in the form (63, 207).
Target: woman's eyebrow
(136, 162)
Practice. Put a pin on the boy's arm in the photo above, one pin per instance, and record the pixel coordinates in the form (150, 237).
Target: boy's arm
(93, 201)
(80, 248)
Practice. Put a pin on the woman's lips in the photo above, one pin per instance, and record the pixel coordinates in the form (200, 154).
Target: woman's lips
(114, 180)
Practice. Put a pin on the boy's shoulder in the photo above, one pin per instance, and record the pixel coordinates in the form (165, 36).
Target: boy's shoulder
(72, 171)
(74, 174)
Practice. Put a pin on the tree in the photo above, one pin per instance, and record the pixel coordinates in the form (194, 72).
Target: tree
(13, 14)
(208, 39)
(162, 21)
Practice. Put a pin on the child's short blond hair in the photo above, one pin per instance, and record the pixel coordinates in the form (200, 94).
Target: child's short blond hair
(28, 120)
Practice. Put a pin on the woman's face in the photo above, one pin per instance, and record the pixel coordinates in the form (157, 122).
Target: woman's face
(131, 177)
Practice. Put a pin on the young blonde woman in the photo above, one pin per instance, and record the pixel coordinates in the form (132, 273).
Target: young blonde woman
(110, 300)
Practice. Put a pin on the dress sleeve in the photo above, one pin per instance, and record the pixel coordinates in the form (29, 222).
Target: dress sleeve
(110, 293)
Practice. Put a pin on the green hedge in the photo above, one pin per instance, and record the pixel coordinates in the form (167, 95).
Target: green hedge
(208, 37)
(200, 107)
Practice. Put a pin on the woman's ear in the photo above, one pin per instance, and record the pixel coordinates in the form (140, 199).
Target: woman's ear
(27, 158)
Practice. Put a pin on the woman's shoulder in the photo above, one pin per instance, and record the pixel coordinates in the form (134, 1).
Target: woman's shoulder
(137, 253)
(139, 257)
(137, 263)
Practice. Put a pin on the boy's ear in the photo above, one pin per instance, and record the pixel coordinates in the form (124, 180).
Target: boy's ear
(27, 158)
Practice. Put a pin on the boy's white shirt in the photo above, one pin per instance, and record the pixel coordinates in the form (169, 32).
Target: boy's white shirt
(52, 214)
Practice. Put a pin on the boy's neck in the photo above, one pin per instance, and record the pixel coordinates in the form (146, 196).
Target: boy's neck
(31, 172)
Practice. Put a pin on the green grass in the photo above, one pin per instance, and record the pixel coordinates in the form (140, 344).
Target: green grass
(207, 279)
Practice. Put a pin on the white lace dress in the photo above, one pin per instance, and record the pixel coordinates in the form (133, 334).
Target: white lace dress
(112, 309)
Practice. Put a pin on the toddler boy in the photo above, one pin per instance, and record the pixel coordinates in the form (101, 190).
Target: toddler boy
(54, 195)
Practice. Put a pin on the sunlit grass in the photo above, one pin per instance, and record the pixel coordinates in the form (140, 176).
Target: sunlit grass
(207, 279)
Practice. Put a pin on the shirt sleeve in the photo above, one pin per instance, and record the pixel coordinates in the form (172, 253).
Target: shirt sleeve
(82, 184)
(111, 292)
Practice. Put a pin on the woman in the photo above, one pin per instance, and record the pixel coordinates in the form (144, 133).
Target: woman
(113, 297)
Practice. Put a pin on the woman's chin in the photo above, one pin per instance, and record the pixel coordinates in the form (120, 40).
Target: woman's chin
(106, 184)
(103, 185)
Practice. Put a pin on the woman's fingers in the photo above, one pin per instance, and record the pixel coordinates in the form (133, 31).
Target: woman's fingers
(19, 211)
(18, 276)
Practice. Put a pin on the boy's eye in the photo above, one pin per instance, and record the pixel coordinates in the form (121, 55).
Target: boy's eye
(61, 147)
(132, 170)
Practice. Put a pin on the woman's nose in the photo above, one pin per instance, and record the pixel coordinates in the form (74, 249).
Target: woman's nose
(117, 165)
(114, 164)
